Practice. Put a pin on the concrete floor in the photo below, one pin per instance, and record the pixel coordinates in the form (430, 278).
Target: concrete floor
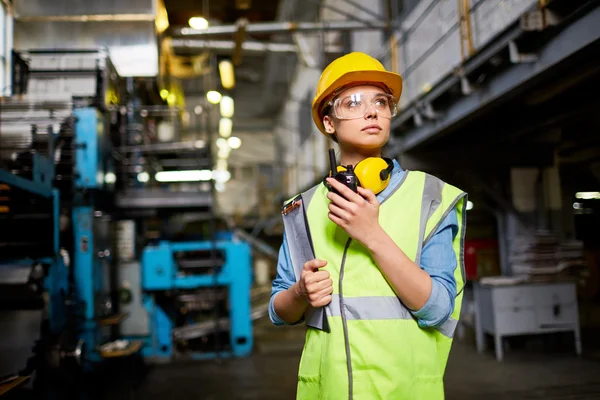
(537, 370)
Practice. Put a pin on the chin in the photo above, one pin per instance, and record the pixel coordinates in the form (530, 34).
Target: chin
(372, 141)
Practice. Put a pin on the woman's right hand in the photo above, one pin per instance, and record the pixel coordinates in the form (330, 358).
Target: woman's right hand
(315, 286)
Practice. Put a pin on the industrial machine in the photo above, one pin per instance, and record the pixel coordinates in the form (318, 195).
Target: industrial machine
(76, 217)
(196, 300)
(53, 182)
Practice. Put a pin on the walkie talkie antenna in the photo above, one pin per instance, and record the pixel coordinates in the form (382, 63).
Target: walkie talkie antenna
(332, 162)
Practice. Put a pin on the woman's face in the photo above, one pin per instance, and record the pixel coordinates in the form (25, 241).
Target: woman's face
(360, 117)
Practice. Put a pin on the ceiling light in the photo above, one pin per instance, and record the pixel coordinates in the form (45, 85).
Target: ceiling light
(213, 97)
(165, 131)
(198, 110)
(225, 127)
(227, 74)
(110, 178)
(234, 142)
(469, 205)
(198, 23)
(221, 176)
(143, 177)
(220, 187)
(221, 164)
(588, 195)
(243, 4)
(199, 144)
(222, 143)
(226, 107)
(184, 176)
(224, 152)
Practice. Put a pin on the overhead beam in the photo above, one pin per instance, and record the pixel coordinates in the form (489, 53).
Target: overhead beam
(88, 18)
(489, 156)
(246, 46)
(282, 27)
(575, 37)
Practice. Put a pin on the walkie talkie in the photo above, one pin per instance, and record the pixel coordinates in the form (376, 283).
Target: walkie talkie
(347, 178)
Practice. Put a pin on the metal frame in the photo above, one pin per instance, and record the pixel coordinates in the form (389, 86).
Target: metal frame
(282, 27)
(574, 37)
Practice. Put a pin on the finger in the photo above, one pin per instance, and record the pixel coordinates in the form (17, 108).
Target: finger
(315, 296)
(337, 211)
(314, 265)
(368, 195)
(315, 277)
(321, 276)
(322, 302)
(344, 190)
(335, 219)
(318, 286)
(338, 200)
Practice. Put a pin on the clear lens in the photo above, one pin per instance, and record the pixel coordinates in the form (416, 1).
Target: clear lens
(358, 104)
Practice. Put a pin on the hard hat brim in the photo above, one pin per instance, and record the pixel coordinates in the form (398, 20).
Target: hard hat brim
(391, 79)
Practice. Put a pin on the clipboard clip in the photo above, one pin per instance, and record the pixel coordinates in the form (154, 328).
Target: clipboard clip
(291, 207)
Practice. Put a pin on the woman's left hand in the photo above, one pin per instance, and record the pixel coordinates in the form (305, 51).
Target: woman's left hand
(357, 214)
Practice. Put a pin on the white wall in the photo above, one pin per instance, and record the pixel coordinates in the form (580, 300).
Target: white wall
(6, 46)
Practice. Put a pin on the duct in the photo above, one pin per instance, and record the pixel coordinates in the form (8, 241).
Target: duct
(247, 46)
(283, 27)
(89, 18)
(132, 46)
(45, 8)
(125, 28)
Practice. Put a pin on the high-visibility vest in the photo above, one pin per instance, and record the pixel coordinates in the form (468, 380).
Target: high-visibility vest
(366, 344)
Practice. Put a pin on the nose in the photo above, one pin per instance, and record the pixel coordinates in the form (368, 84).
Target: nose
(371, 112)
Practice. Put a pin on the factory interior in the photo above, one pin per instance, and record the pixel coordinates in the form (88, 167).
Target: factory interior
(156, 142)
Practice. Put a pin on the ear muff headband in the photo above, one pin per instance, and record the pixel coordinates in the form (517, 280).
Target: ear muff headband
(374, 173)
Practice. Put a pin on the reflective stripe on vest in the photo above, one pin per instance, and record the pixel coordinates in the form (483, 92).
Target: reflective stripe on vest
(379, 308)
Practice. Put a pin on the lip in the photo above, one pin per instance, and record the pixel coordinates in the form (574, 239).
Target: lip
(372, 126)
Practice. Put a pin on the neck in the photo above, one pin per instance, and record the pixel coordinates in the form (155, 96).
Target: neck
(354, 156)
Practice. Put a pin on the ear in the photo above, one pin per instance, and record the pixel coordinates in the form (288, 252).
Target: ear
(329, 126)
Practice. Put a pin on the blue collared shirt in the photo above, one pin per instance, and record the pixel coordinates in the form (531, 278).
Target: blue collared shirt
(438, 259)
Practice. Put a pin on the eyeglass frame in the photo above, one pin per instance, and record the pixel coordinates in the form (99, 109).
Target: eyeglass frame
(330, 106)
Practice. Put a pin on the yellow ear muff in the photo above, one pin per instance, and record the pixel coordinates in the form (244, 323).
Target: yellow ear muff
(368, 172)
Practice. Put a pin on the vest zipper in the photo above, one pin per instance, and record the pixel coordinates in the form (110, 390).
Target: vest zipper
(344, 321)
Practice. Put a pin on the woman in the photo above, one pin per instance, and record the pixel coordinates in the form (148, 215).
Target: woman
(382, 266)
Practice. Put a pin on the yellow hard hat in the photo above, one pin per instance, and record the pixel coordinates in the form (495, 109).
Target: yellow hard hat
(355, 67)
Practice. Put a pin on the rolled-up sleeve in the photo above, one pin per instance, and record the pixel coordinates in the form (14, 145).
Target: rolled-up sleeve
(438, 259)
(284, 280)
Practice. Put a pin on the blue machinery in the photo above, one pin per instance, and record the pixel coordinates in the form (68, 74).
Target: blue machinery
(32, 211)
(189, 266)
(60, 201)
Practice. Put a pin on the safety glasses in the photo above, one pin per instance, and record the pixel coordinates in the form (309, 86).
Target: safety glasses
(358, 104)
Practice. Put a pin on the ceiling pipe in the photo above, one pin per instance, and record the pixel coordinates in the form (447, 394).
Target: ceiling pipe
(247, 46)
(88, 18)
(281, 27)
